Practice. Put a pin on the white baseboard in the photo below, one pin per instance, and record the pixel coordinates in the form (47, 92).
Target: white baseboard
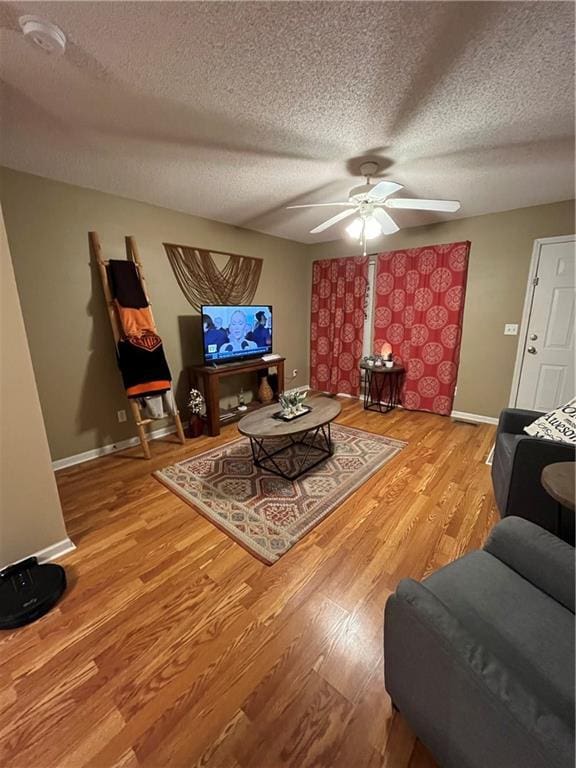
(473, 418)
(79, 458)
(53, 552)
(490, 457)
(59, 549)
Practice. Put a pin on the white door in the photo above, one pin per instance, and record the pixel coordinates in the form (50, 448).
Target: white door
(546, 355)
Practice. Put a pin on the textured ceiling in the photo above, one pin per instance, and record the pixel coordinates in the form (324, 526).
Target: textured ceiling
(234, 110)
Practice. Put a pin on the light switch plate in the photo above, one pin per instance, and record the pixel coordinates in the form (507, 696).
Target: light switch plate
(511, 329)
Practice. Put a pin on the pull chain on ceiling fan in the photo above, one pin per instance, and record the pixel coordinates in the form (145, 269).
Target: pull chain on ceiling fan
(367, 201)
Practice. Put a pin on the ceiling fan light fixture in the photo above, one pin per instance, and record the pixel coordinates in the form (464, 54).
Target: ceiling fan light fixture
(366, 227)
(354, 229)
(367, 202)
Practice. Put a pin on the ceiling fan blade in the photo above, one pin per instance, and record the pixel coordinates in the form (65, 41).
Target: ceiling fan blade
(449, 206)
(317, 205)
(386, 221)
(333, 220)
(384, 188)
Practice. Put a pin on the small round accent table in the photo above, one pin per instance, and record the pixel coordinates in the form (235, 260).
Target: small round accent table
(291, 448)
(382, 387)
(559, 481)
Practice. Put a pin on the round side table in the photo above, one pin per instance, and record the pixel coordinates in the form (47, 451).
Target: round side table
(382, 387)
(559, 481)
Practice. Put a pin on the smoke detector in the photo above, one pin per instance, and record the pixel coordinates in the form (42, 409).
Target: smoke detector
(47, 36)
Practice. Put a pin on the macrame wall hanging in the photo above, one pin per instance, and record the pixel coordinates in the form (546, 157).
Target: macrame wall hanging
(202, 282)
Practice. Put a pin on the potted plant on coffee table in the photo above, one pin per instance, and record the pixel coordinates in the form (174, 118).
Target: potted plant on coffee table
(292, 404)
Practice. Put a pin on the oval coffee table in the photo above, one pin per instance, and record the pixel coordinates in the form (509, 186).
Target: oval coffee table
(291, 448)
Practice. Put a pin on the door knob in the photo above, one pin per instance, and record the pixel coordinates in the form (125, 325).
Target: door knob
(533, 336)
(531, 350)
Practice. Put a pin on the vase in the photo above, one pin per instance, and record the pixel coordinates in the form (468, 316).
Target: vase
(265, 393)
(196, 425)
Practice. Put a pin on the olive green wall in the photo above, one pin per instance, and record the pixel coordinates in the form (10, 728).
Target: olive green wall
(64, 311)
(30, 512)
(498, 271)
(69, 335)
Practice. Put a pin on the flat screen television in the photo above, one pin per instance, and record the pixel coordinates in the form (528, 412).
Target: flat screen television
(232, 333)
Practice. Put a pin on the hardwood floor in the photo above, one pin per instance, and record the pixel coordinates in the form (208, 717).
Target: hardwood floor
(173, 646)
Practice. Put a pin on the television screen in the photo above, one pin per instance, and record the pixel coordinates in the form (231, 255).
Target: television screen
(234, 333)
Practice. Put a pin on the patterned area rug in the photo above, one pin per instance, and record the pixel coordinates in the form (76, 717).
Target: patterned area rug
(264, 513)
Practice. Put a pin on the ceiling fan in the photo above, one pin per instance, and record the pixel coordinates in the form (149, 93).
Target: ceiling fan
(368, 200)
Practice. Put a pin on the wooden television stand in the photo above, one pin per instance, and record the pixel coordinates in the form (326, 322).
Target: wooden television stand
(208, 377)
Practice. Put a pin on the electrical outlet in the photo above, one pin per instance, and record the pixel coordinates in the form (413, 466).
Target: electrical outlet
(121, 416)
(294, 372)
(511, 329)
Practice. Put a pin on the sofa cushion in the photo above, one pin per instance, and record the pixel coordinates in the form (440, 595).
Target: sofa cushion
(540, 557)
(464, 703)
(526, 630)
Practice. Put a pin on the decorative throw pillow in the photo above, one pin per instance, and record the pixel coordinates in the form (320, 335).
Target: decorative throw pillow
(559, 424)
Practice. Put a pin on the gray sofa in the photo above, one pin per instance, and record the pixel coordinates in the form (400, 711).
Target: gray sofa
(516, 468)
(479, 657)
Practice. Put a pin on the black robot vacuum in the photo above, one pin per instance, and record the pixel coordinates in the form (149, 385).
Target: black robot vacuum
(28, 591)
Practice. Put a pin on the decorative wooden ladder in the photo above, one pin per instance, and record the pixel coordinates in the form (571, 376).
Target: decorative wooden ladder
(133, 255)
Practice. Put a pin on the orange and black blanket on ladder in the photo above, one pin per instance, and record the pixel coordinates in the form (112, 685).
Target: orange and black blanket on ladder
(140, 352)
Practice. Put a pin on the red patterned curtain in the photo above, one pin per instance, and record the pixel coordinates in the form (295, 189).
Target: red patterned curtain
(418, 309)
(337, 324)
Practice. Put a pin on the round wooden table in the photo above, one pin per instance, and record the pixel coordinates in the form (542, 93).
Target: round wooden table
(382, 386)
(559, 481)
(276, 443)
